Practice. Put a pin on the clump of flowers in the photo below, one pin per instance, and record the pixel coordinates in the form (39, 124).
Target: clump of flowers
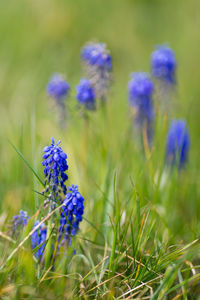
(163, 64)
(71, 215)
(38, 239)
(140, 89)
(98, 66)
(55, 167)
(58, 90)
(178, 143)
(85, 94)
(20, 220)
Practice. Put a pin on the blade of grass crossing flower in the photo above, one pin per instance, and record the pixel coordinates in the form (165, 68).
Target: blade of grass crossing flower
(28, 164)
(28, 236)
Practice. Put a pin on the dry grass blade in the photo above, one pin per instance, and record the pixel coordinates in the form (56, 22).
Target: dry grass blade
(93, 269)
(107, 280)
(64, 275)
(3, 235)
(191, 266)
(45, 274)
(139, 286)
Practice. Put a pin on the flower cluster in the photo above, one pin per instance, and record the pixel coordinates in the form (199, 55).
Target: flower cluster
(20, 220)
(163, 64)
(73, 208)
(140, 90)
(98, 66)
(178, 143)
(97, 54)
(38, 239)
(57, 87)
(71, 215)
(86, 94)
(55, 163)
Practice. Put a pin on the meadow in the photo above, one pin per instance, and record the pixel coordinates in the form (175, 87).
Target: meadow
(139, 237)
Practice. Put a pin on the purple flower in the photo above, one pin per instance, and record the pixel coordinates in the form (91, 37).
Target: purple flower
(55, 166)
(163, 64)
(140, 90)
(98, 66)
(20, 220)
(57, 87)
(97, 54)
(178, 143)
(85, 94)
(38, 239)
(71, 215)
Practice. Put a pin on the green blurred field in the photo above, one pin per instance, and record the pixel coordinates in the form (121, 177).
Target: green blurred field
(40, 37)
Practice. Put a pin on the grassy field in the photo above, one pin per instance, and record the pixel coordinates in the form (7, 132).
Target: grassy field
(140, 235)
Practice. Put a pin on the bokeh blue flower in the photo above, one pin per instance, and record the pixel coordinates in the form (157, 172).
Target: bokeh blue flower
(98, 67)
(140, 89)
(55, 166)
(20, 220)
(178, 143)
(85, 94)
(38, 238)
(57, 87)
(97, 54)
(163, 64)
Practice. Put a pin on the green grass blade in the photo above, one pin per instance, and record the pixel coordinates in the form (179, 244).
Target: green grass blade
(27, 163)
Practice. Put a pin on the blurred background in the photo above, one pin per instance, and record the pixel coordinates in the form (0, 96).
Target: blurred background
(40, 37)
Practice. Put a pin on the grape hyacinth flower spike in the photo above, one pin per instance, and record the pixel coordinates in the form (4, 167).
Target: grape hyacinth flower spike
(20, 220)
(58, 90)
(71, 215)
(38, 239)
(85, 94)
(140, 89)
(178, 143)
(97, 63)
(55, 167)
(163, 65)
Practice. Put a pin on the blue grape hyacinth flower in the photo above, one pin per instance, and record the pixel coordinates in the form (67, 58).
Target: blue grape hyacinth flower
(38, 238)
(58, 90)
(85, 94)
(140, 89)
(163, 64)
(98, 66)
(57, 87)
(20, 220)
(71, 215)
(178, 143)
(55, 166)
(97, 54)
